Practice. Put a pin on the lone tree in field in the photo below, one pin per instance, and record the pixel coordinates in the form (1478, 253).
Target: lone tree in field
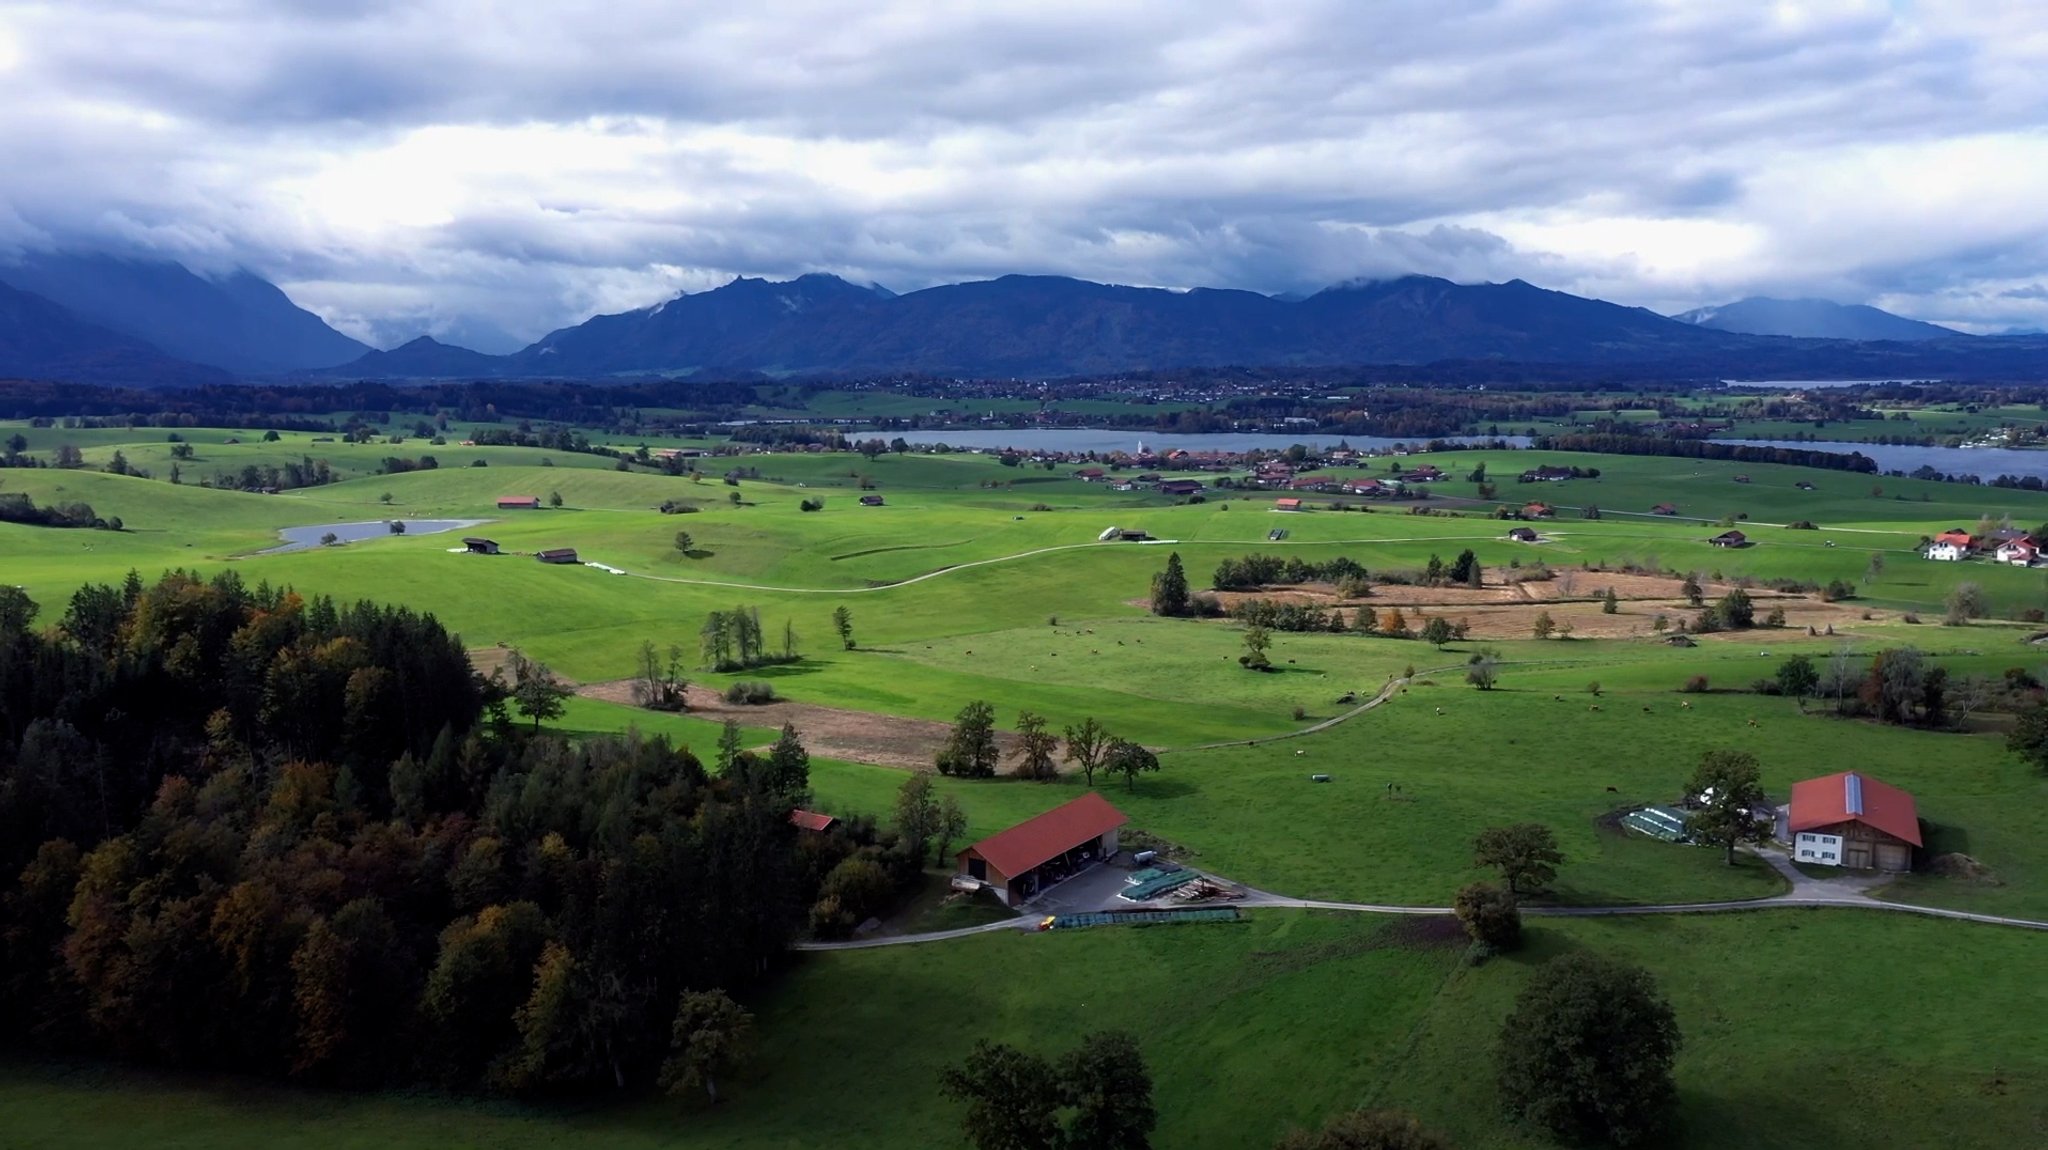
(1965, 602)
(1037, 748)
(1797, 677)
(1727, 785)
(1129, 760)
(1691, 590)
(1170, 589)
(1543, 627)
(1490, 915)
(1367, 1130)
(1610, 603)
(1465, 570)
(684, 543)
(842, 622)
(1525, 854)
(1587, 1052)
(970, 750)
(712, 1035)
(1437, 632)
(554, 499)
(1735, 611)
(1086, 745)
(1256, 640)
(1483, 670)
(536, 692)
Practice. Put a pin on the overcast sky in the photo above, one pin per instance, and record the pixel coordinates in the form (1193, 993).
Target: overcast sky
(457, 165)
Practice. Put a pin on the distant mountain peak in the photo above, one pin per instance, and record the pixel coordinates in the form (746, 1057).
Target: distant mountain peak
(1813, 319)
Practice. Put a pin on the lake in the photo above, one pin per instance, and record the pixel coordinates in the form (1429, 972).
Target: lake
(1105, 440)
(301, 538)
(1982, 462)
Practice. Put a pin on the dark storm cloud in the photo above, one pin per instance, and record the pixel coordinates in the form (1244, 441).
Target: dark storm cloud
(402, 163)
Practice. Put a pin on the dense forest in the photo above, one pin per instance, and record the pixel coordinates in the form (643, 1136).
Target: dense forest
(247, 830)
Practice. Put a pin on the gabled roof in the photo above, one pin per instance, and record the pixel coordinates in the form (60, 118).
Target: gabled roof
(811, 820)
(1050, 835)
(1851, 797)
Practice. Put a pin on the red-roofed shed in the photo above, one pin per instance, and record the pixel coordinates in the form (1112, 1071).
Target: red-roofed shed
(1038, 852)
(1850, 819)
(811, 821)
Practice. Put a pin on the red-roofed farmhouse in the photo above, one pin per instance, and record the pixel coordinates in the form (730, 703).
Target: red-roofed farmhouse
(1850, 819)
(811, 820)
(1018, 862)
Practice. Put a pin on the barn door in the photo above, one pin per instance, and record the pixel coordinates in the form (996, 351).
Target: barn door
(1856, 855)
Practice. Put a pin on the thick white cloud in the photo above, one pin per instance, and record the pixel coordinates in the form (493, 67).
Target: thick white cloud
(429, 164)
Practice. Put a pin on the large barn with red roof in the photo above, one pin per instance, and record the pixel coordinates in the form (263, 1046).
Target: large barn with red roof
(1034, 854)
(1850, 819)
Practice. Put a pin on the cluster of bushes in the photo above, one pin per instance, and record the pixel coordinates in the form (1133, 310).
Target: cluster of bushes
(750, 693)
(811, 505)
(18, 508)
(1255, 571)
(679, 507)
(1277, 616)
(307, 472)
(395, 465)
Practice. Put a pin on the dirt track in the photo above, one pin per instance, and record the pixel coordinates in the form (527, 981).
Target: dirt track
(828, 732)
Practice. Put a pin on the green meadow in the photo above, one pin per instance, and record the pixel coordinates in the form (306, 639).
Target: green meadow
(975, 581)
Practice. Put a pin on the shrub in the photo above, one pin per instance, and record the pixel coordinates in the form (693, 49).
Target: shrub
(750, 693)
(811, 505)
(1801, 525)
(2033, 615)
(1697, 685)
(1040, 507)
(1300, 712)
(1908, 617)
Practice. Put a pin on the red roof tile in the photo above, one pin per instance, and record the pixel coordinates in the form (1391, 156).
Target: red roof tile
(1849, 796)
(1035, 841)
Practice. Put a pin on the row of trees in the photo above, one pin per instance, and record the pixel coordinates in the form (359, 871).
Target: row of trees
(971, 750)
(734, 641)
(18, 508)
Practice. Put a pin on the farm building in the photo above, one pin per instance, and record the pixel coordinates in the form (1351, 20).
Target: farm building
(870, 501)
(477, 545)
(811, 821)
(558, 555)
(2020, 552)
(1522, 534)
(1538, 510)
(1850, 819)
(1181, 487)
(1951, 546)
(1742, 479)
(1038, 852)
(1090, 475)
(1287, 505)
(1546, 474)
(1730, 539)
(518, 502)
(1664, 509)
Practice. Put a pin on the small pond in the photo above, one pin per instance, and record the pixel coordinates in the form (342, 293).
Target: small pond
(301, 538)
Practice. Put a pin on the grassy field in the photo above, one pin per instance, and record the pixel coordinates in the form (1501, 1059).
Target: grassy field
(976, 581)
(1798, 1024)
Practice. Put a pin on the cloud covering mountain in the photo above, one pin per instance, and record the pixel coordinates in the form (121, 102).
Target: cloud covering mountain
(399, 173)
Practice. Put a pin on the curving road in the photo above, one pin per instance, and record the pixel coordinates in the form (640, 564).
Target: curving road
(1806, 892)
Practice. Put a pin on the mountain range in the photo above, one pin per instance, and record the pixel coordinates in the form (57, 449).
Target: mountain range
(104, 319)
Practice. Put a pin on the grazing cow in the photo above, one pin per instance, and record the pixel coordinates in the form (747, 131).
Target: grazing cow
(1646, 710)
(1752, 722)
(1612, 791)
(1300, 753)
(1594, 707)
(1557, 698)
(1684, 706)
(1439, 710)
